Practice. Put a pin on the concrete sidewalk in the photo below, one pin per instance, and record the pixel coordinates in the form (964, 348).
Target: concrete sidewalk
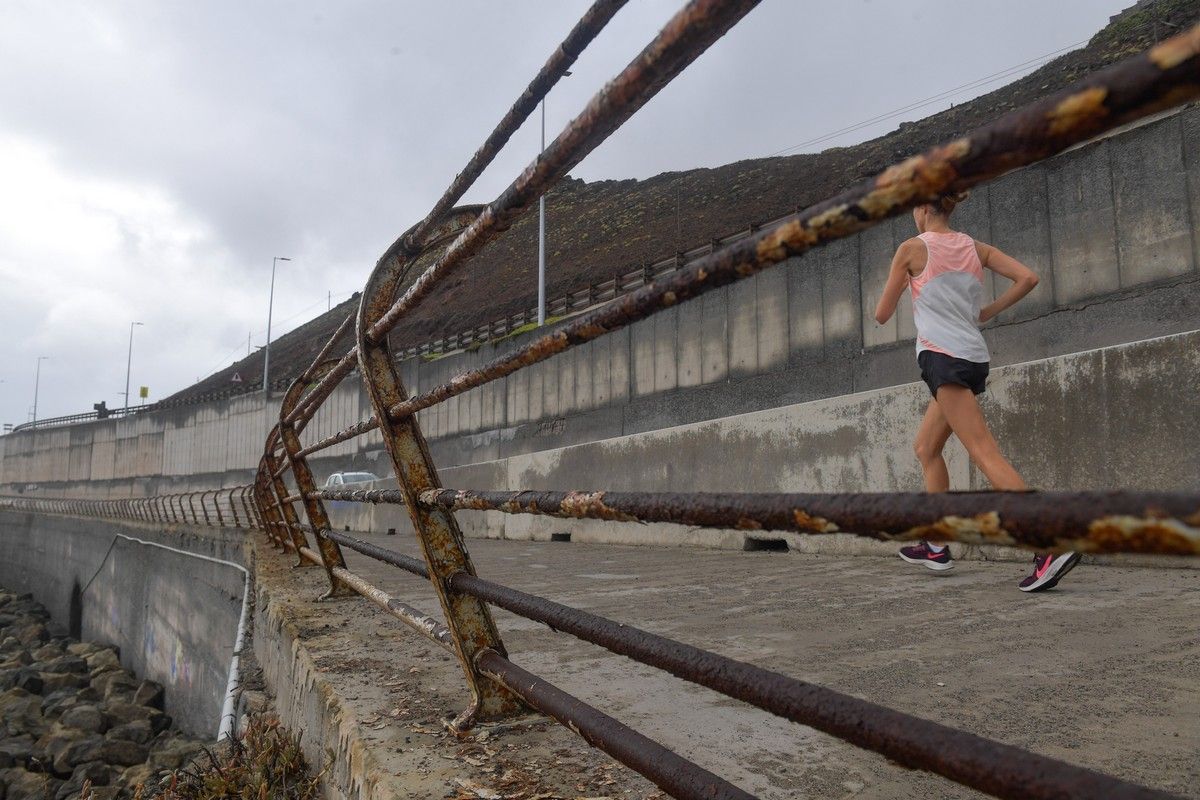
(1101, 672)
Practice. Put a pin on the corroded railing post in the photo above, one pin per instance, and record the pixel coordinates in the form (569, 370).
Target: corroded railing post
(259, 497)
(217, 507)
(289, 519)
(314, 508)
(237, 523)
(264, 496)
(469, 619)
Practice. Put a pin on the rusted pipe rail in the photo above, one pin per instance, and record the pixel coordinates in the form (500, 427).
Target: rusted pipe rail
(355, 430)
(419, 621)
(983, 764)
(686, 35)
(360, 495)
(667, 769)
(558, 64)
(404, 562)
(1094, 522)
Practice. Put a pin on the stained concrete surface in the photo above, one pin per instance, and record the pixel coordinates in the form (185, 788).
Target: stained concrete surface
(144, 600)
(1101, 672)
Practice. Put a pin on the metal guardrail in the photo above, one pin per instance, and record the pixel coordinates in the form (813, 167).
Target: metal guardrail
(1158, 522)
(87, 416)
(233, 507)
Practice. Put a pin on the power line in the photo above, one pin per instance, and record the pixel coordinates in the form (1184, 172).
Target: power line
(943, 95)
(224, 362)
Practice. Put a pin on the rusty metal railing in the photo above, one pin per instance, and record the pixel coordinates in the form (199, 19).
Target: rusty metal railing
(232, 507)
(447, 238)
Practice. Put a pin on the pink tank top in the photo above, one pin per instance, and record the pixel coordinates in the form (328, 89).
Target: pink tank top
(947, 296)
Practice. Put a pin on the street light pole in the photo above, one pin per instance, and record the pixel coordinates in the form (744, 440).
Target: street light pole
(37, 380)
(129, 362)
(542, 230)
(542, 236)
(267, 351)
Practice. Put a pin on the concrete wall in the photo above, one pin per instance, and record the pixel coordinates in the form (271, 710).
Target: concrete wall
(142, 599)
(1116, 417)
(1110, 227)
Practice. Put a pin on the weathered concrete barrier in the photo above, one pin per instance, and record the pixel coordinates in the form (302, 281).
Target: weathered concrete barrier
(173, 617)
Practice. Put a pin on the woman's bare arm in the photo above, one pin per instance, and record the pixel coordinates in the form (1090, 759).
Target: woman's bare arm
(897, 279)
(1023, 279)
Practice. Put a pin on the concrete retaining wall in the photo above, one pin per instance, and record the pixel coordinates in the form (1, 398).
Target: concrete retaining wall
(1116, 417)
(174, 618)
(1110, 226)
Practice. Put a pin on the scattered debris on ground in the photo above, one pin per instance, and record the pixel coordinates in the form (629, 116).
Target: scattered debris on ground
(263, 762)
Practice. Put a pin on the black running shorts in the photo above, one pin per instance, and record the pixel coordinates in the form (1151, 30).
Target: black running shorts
(938, 369)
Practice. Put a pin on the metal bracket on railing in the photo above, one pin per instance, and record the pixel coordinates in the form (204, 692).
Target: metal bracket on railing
(470, 620)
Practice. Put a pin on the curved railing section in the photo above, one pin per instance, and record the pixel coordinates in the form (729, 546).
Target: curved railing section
(233, 507)
(291, 509)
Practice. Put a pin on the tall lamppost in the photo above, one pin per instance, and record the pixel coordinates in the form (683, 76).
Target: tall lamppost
(129, 361)
(37, 380)
(267, 350)
(542, 231)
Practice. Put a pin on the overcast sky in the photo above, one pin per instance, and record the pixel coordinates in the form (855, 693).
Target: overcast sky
(155, 155)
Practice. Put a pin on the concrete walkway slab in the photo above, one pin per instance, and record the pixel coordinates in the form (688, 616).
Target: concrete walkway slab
(1101, 672)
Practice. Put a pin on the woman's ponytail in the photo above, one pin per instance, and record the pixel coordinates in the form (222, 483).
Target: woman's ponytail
(945, 205)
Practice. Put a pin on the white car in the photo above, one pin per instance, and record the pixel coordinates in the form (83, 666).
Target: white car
(339, 479)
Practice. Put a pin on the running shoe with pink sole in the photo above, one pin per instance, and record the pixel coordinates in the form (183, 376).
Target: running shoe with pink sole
(921, 554)
(1048, 570)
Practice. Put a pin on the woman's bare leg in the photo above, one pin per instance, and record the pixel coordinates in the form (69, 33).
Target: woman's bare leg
(964, 416)
(931, 439)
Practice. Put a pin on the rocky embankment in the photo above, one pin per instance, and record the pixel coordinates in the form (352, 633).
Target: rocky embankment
(69, 714)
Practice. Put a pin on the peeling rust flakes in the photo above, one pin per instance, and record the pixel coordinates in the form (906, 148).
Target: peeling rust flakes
(591, 505)
(1078, 111)
(806, 522)
(1173, 52)
(773, 247)
(833, 218)
(979, 529)
(1141, 535)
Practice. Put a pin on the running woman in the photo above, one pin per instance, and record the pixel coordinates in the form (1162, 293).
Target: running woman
(943, 269)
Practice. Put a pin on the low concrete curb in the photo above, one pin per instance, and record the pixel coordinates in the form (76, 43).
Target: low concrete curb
(307, 703)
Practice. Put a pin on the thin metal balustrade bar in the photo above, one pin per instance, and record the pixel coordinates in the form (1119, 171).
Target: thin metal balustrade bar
(324, 388)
